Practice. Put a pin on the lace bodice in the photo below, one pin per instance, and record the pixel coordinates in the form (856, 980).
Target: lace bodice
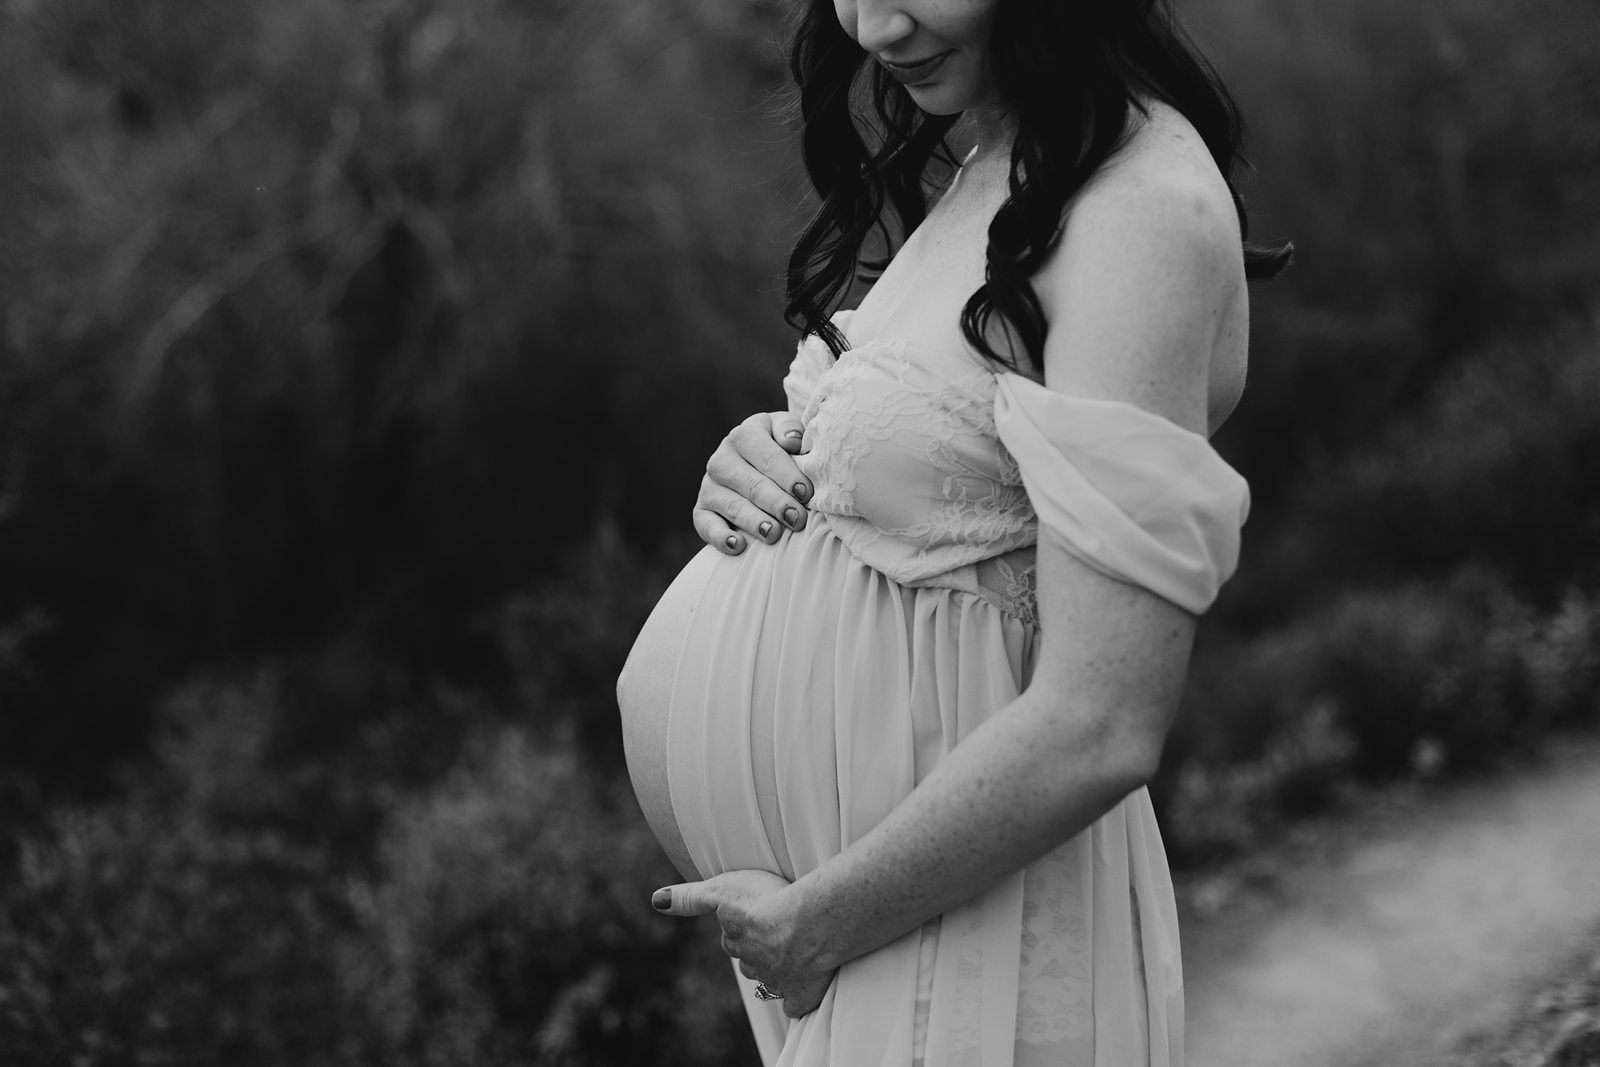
(910, 467)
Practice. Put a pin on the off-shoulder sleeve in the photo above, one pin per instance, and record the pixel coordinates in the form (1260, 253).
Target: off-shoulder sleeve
(811, 359)
(1132, 494)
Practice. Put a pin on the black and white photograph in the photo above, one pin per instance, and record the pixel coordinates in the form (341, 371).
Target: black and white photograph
(783, 533)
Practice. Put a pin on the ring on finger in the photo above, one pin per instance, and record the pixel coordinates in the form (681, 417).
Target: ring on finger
(763, 993)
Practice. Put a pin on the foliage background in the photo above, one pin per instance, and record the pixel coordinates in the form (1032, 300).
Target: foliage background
(357, 362)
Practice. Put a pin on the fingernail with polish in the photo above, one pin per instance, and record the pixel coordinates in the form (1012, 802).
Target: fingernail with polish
(801, 492)
(732, 541)
(661, 899)
(766, 529)
(795, 435)
(791, 518)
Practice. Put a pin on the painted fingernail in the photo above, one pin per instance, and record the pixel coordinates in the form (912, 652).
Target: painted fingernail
(766, 529)
(801, 491)
(795, 435)
(791, 518)
(661, 899)
(732, 541)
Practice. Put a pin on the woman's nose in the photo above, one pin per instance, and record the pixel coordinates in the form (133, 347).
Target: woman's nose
(875, 24)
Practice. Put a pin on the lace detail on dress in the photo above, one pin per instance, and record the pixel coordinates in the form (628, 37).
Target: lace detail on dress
(914, 455)
(1055, 989)
(966, 1026)
(906, 459)
(1055, 1001)
(1008, 582)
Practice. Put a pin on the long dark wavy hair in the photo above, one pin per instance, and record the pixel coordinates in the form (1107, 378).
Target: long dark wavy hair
(1068, 71)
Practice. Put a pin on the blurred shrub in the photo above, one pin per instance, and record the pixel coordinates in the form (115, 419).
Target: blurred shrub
(1426, 601)
(1448, 670)
(1213, 810)
(1383, 683)
(566, 640)
(1495, 472)
(497, 914)
(320, 317)
(514, 922)
(1434, 164)
(131, 935)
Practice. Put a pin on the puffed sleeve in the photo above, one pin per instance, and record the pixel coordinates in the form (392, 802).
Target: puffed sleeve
(1132, 494)
(811, 360)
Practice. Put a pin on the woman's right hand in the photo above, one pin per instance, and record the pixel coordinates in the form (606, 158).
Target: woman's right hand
(753, 488)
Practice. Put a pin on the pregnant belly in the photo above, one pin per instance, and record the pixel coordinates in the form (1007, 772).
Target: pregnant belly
(779, 704)
(644, 697)
(704, 723)
(729, 700)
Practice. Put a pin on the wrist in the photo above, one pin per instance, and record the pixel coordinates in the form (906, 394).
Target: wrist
(809, 942)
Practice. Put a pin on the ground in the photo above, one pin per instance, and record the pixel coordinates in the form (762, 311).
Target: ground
(1419, 926)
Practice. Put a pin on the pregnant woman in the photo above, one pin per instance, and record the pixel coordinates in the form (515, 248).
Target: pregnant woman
(895, 722)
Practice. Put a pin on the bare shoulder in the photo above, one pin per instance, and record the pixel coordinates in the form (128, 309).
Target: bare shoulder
(1144, 293)
(1164, 181)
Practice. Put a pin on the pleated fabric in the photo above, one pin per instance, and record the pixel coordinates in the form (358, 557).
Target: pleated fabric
(811, 695)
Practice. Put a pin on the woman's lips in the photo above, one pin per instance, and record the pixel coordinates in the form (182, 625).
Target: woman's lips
(915, 73)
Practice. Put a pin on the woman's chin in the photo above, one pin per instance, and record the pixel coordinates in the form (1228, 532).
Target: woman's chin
(935, 103)
(945, 99)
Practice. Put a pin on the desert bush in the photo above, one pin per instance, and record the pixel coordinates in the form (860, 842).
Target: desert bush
(1219, 810)
(1494, 471)
(513, 921)
(566, 640)
(235, 906)
(1423, 666)
(306, 305)
(1431, 589)
(131, 935)
(1433, 163)
(1382, 683)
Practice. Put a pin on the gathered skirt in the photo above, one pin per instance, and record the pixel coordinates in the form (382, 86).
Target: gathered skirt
(803, 696)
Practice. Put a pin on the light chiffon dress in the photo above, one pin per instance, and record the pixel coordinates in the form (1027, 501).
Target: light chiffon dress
(810, 685)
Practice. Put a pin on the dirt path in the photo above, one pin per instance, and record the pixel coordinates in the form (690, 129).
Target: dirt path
(1388, 936)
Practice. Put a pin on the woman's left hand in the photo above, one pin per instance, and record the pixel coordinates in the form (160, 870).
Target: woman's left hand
(758, 930)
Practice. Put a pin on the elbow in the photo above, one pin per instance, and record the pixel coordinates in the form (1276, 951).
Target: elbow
(1142, 761)
(1104, 777)
(1128, 752)
(1127, 766)
(1108, 748)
